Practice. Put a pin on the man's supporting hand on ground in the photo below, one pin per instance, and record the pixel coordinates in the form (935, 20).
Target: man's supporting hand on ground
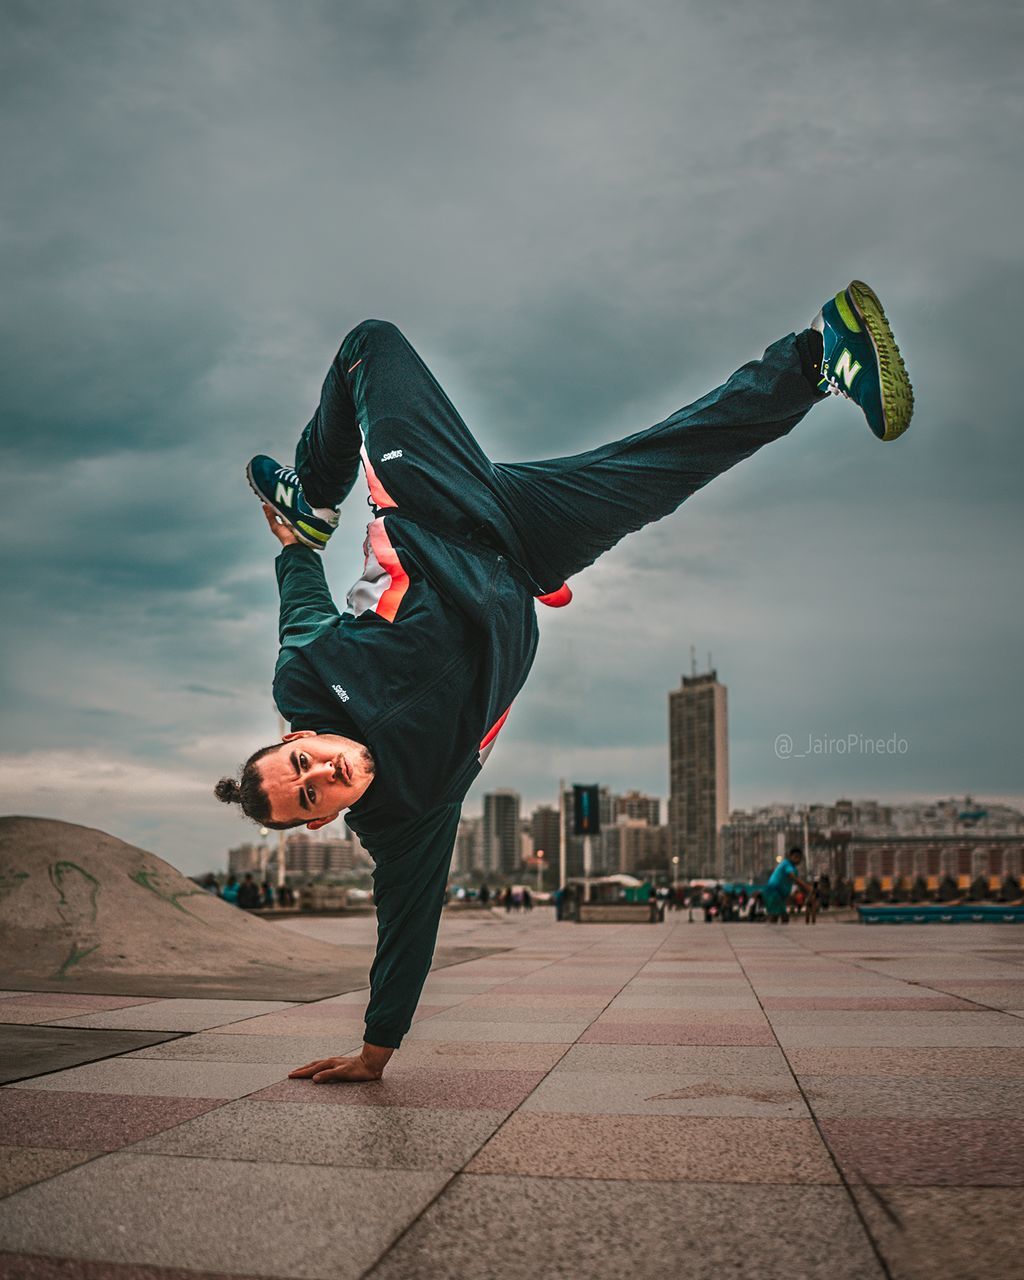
(369, 1065)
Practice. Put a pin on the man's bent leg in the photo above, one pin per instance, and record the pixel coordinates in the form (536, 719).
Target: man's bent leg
(382, 405)
(568, 511)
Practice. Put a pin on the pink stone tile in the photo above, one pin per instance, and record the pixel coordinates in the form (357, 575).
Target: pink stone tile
(455, 1090)
(90, 1121)
(475, 1055)
(565, 988)
(948, 1152)
(639, 1148)
(932, 1004)
(23, 1266)
(953, 1062)
(309, 1012)
(676, 1033)
(72, 1000)
(516, 1000)
(691, 1017)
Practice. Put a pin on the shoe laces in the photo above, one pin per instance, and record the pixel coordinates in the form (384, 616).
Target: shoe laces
(835, 389)
(288, 474)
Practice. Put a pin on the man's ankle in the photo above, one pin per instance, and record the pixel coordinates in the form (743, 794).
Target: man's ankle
(811, 350)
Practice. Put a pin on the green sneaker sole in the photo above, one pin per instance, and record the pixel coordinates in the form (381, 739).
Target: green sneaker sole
(897, 393)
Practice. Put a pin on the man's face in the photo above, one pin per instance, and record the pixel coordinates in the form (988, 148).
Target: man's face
(312, 777)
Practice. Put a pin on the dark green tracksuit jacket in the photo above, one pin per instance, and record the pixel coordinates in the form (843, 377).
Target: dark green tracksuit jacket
(423, 691)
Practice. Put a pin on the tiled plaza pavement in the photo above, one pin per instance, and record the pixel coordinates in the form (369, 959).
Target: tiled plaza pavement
(677, 1100)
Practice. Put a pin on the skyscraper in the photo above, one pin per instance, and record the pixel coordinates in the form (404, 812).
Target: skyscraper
(698, 749)
(544, 830)
(500, 837)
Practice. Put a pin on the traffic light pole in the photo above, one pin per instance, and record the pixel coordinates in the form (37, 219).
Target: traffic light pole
(586, 868)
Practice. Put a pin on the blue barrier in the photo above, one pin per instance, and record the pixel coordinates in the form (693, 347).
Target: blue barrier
(942, 913)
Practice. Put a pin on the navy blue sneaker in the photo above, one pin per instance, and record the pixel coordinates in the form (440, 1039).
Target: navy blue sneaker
(279, 487)
(862, 362)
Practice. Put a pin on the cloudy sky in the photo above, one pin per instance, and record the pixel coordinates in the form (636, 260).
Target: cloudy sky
(584, 214)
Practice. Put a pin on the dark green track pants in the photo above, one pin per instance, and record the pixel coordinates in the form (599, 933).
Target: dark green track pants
(381, 403)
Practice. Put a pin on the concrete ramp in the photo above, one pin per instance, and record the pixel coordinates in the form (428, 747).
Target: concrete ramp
(83, 911)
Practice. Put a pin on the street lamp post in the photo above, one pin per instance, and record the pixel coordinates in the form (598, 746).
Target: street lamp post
(540, 869)
(675, 878)
(263, 853)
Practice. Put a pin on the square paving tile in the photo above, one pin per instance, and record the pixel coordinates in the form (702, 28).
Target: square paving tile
(934, 1004)
(172, 1078)
(318, 1133)
(1008, 1034)
(950, 1062)
(513, 1016)
(946, 1233)
(943, 1152)
(713, 1004)
(178, 1212)
(213, 1046)
(617, 1012)
(605, 1230)
(21, 1166)
(977, 1022)
(31, 1051)
(680, 1148)
(447, 1090)
(512, 1000)
(346, 1028)
(177, 1015)
(607, 1032)
(475, 1055)
(89, 1121)
(709, 1060)
(76, 1000)
(445, 1027)
(875, 1097)
(642, 1093)
(15, 1013)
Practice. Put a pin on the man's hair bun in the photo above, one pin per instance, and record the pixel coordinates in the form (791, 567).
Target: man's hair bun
(229, 791)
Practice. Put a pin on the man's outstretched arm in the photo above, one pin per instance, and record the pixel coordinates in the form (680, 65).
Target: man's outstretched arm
(409, 894)
(306, 602)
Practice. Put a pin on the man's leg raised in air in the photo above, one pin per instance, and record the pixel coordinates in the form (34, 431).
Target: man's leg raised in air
(568, 511)
(381, 405)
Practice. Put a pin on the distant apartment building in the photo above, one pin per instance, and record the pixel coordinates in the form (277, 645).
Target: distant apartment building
(698, 803)
(633, 847)
(243, 858)
(500, 835)
(311, 857)
(635, 804)
(864, 840)
(467, 855)
(544, 829)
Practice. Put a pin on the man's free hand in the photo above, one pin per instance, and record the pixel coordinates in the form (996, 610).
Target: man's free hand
(369, 1065)
(281, 531)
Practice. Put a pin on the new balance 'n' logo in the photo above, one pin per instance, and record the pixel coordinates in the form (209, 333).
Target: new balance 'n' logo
(390, 457)
(284, 494)
(847, 368)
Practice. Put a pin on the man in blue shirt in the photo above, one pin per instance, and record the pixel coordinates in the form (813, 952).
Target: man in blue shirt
(780, 885)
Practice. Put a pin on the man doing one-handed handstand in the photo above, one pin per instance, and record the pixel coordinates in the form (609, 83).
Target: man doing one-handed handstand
(395, 702)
